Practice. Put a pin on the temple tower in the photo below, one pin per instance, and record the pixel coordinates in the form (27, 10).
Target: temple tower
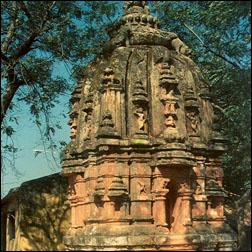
(143, 162)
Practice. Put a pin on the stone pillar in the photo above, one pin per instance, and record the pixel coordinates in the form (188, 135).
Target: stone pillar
(215, 193)
(182, 212)
(186, 194)
(141, 198)
(199, 207)
(160, 192)
(76, 198)
(159, 208)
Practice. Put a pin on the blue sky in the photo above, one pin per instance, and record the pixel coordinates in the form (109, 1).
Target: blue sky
(27, 140)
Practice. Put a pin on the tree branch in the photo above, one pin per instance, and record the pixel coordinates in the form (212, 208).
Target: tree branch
(25, 47)
(211, 50)
(11, 29)
(24, 9)
(13, 84)
(4, 57)
(218, 107)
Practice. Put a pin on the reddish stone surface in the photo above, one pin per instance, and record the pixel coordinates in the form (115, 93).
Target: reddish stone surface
(143, 161)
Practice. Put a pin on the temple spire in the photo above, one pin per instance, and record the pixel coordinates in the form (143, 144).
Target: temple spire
(136, 7)
(137, 13)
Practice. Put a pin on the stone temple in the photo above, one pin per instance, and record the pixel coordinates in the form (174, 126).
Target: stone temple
(143, 164)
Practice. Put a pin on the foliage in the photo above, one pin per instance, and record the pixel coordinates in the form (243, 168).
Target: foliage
(219, 34)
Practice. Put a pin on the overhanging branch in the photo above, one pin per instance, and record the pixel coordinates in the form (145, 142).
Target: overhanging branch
(209, 49)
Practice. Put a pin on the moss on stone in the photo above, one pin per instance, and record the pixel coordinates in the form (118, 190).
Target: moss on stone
(139, 141)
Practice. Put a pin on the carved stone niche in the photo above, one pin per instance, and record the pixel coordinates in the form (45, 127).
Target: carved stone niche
(99, 192)
(74, 113)
(167, 78)
(215, 208)
(87, 109)
(140, 101)
(87, 125)
(88, 97)
(169, 101)
(192, 115)
(160, 191)
(168, 96)
(109, 79)
(107, 126)
(217, 142)
(119, 196)
(181, 215)
(73, 124)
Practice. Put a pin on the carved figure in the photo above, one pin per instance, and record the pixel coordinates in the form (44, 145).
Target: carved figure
(88, 125)
(73, 126)
(184, 187)
(161, 184)
(192, 116)
(180, 47)
(170, 94)
(170, 108)
(165, 183)
(141, 118)
(170, 122)
(71, 190)
(142, 187)
(198, 190)
(87, 88)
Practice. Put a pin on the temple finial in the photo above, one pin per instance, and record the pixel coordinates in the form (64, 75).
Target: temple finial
(135, 6)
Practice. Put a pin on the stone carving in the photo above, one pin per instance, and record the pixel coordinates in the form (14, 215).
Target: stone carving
(107, 121)
(140, 101)
(142, 132)
(73, 126)
(139, 94)
(192, 113)
(199, 189)
(137, 27)
(140, 119)
(184, 187)
(164, 183)
(117, 190)
(194, 121)
(107, 126)
(87, 109)
(129, 4)
(99, 189)
(142, 188)
(109, 78)
(71, 190)
(168, 86)
(180, 47)
(161, 184)
(87, 125)
(75, 100)
(87, 88)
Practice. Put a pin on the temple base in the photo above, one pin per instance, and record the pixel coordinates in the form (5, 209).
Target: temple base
(106, 237)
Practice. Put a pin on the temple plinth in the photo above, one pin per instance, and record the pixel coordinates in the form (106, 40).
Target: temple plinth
(144, 158)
